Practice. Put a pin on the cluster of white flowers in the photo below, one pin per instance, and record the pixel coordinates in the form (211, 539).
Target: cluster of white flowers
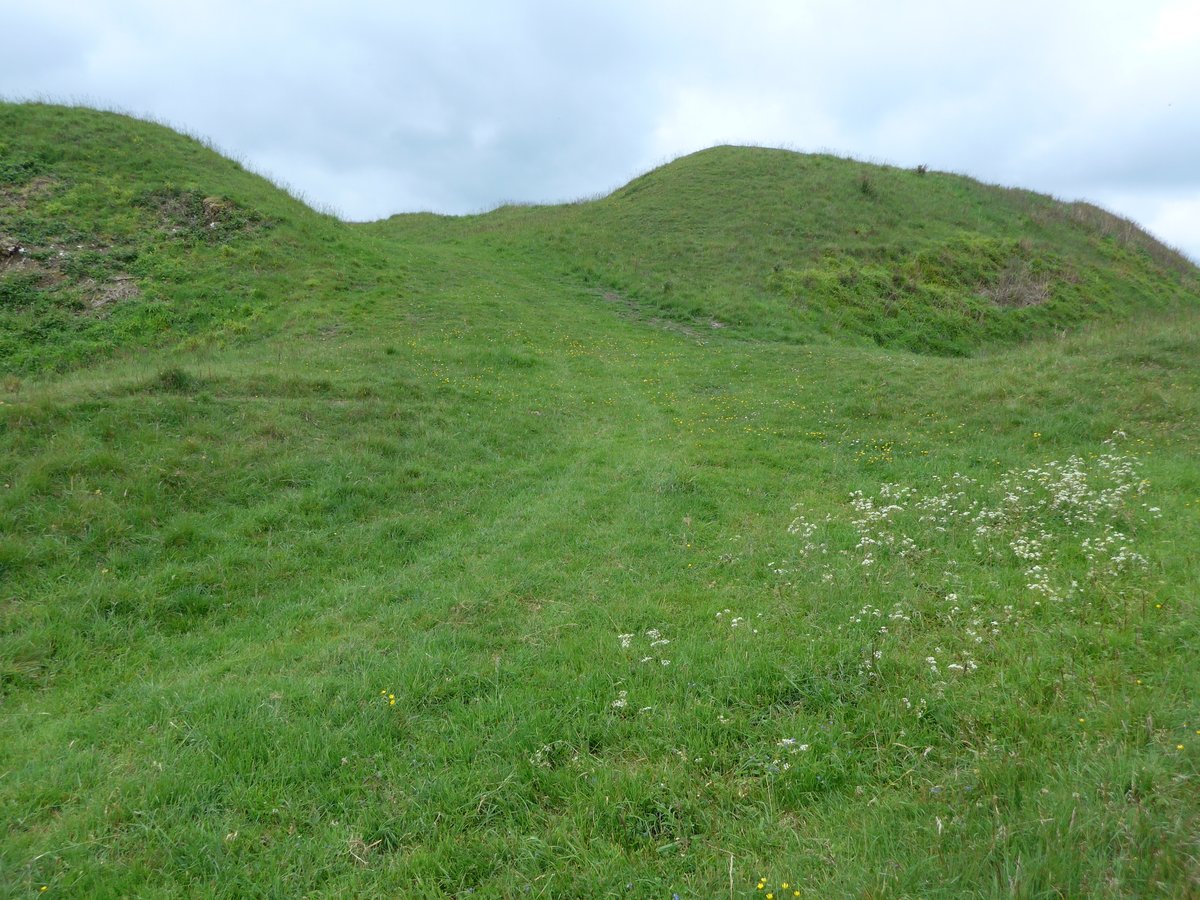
(962, 662)
(803, 528)
(950, 503)
(546, 756)
(778, 763)
(874, 521)
(791, 745)
(871, 612)
(1111, 554)
(867, 612)
(1039, 582)
(868, 665)
(1080, 495)
(1046, 518)
(920, 707)
(737, 621)
(653, 639)
(1029, 548)
(649, 645)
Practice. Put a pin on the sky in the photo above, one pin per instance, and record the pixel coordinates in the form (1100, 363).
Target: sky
(373, 108)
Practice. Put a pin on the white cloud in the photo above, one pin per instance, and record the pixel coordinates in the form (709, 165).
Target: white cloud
(1177, 220)
(1178, 25)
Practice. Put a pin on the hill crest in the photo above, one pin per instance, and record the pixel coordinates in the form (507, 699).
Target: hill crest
(120, 233)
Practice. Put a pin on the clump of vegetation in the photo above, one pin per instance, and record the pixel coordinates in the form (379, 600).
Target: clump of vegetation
(18, 289)
(174, 380)
(1019, 284)
(18, 169)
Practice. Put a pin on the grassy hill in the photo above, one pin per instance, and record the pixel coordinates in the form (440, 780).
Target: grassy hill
(774, 518)
(778, 245)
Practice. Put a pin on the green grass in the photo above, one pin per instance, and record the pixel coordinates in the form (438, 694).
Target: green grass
(780, 246)
(454, 461)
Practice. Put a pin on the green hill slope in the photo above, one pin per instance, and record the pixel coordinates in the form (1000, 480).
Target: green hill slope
(781, 245)
(454, 557)
(117, 234)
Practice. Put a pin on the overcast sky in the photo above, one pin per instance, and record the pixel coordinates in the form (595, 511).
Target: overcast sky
(374, 108)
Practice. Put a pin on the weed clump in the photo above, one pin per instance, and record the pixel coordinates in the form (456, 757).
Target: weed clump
(174, 380)
(19, 290)
(1019, 285)
(19, 169)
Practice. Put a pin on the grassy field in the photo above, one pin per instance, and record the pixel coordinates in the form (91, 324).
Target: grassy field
(776, 519)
